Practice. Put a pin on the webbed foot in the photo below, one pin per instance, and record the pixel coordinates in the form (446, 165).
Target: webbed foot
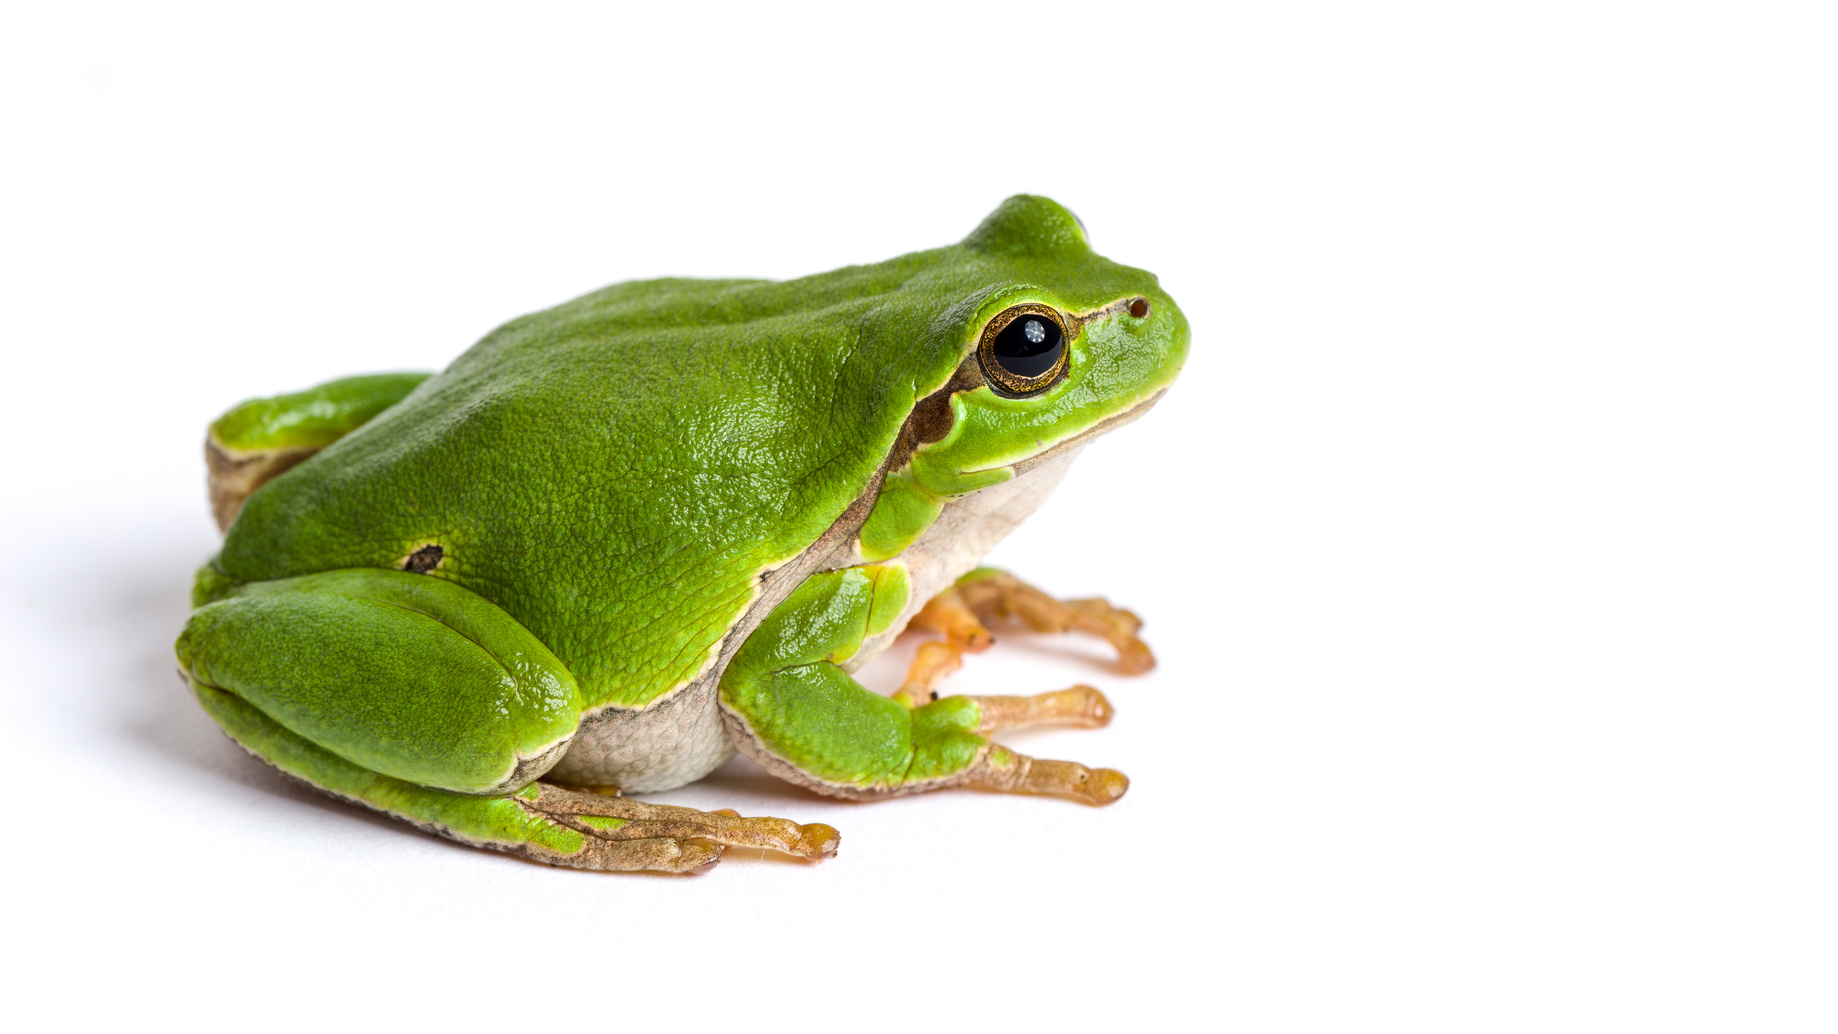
(622, 824)
(1009, 772)
(986, 596)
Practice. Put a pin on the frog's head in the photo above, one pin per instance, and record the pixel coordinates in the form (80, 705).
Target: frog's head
(1066, 342)
(1059, 343)
(1054, 345)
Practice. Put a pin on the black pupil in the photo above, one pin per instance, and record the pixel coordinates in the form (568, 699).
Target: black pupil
(1029, 346)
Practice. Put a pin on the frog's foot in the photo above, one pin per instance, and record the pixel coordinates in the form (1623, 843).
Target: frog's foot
(622, 820)
(993, 596)
(1004, 770)
(1082, 706)
(999, 768)
(608, 852)
(987, 596)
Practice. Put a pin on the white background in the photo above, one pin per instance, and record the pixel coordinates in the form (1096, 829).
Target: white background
(1487, 540)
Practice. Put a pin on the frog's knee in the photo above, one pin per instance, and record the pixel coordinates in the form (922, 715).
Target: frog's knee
(406, 675)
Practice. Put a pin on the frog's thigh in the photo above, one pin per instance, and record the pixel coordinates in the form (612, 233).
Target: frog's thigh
(790, 707)
(406, 693)
(425, 701)
(407, 675)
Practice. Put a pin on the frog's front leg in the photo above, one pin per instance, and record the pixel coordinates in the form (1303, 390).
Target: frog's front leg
(791, 707)
(425, 701)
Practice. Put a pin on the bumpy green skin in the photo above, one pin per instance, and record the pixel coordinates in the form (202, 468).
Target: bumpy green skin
(609, 482)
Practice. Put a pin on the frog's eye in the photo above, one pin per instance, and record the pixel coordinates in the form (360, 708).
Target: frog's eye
(1023, 351)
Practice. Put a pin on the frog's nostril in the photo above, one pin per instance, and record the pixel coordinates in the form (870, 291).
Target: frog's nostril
(423, 560)
(1139, 307)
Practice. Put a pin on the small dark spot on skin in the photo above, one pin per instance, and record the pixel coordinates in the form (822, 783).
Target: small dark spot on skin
(423, 560)
(1139, 307)
(931, 418)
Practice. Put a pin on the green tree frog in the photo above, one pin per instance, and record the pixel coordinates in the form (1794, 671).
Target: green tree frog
(620, 539)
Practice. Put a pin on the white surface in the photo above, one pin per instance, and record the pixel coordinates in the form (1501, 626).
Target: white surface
(1487, 541)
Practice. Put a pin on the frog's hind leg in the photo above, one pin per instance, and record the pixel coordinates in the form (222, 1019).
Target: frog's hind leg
(514, 823)
(262, 438)
(416, 697)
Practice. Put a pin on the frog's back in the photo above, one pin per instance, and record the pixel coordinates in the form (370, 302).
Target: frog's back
(619, 471)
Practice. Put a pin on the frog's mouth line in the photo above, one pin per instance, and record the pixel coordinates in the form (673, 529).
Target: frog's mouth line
(1078, 441)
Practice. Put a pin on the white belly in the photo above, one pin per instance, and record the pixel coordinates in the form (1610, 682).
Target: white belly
(677, 740)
